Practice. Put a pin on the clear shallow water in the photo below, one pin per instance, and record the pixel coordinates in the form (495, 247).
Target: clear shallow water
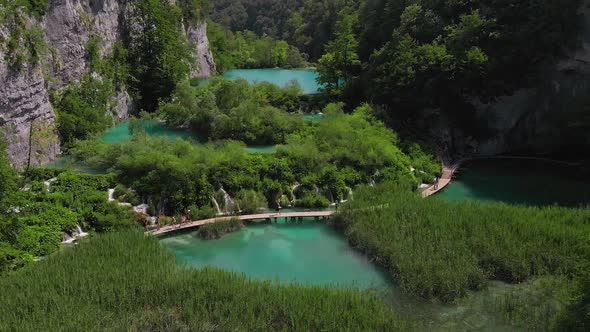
(121, 132)
(314, 253)
(310, 252)
(524, 182)
(281, 77)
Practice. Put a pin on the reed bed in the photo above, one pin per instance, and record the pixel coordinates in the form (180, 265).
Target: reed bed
(439, 249)
(127, 281)
(219, 229)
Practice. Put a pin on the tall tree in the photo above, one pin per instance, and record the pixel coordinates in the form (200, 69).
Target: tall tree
(158, 53)
(341, 59)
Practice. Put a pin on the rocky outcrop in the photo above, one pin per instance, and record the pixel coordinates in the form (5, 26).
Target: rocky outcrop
(26, 117)
(204, 65)
(121, 105)
(68, 26)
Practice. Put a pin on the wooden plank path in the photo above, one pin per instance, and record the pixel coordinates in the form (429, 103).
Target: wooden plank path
(249, 217)
(445, 180)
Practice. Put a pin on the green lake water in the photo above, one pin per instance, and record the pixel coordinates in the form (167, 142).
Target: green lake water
(523, 182)
(309, 252)
(313, 253)
(281, 77)
(121, 132)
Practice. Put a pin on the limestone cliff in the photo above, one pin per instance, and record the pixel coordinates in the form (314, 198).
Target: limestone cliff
(67, 27)
(204, 64)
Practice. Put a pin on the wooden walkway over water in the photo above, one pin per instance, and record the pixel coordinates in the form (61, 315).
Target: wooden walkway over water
(250, 217)
(445, 180)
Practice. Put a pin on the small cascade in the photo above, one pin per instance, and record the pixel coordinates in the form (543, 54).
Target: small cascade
(142, 208)
(111, 193)
(332, 200)
(317, 190)
(48, 183)
(228, 200)
(348, 197)
(293, 188)
(79, 233)
(67, 239)
(216, 206)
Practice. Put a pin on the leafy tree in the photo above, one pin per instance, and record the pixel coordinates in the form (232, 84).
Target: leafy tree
(250, 201)
(341, 60)
(7, 175)
(159, 55)
(82, 110)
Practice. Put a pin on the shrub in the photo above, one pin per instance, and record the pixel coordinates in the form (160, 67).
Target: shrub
(218, 229)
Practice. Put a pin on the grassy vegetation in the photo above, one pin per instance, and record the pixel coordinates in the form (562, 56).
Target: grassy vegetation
(325, 159)
(127, 281)
(441, 249)
(219, 229)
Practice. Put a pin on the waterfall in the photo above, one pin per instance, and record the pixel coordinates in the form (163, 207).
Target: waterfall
(228, 200)
(293, 188)
(48, 183)
(348, 197)
(79, 233)
(67, 239)
(111, 193)
(317, 190)
(332, 201)
(142, 208)
(216, 206)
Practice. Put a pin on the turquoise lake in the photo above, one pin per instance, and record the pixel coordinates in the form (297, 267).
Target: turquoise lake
(522, 182)
(281, 77)
(309, 252)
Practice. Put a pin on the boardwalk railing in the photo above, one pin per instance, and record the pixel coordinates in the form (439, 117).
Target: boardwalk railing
(250, 217)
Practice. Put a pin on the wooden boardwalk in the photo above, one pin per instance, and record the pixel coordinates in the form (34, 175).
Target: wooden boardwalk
(250, 217)
(445, 179)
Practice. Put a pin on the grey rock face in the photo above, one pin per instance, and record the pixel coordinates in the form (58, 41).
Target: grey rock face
(204, 66)
(68, 26)
(67, 29)
(24, 105)
(121, 105)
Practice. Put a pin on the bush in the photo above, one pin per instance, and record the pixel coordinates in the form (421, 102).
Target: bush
(310, 201)
(250, 201)
(218, 229)
(120, 191)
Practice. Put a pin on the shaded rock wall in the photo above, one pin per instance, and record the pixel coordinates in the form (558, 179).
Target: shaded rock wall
(68, 26)
(551, 113)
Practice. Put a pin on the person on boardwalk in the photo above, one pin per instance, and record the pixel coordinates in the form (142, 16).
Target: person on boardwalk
(436, 183)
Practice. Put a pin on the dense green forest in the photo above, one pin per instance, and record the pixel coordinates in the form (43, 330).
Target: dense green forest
(338, 153)
(405, 55)
(379, 62)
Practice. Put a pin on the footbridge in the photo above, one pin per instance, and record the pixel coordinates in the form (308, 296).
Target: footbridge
(251, 217)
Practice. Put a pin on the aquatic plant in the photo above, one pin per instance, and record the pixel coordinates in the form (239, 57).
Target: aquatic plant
(128, 281)
(219, 229)
(439, 249)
